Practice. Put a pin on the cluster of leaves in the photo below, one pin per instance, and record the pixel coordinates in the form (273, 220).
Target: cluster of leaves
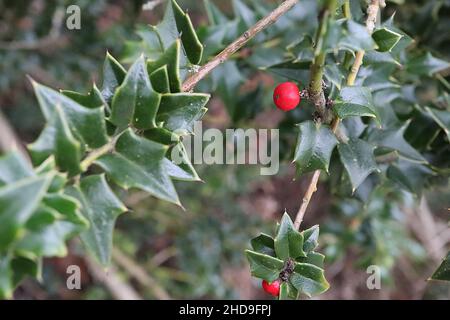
(290, 258)
(128, 129)
(389, 135)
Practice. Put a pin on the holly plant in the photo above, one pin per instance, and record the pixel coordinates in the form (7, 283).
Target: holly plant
(349, 88)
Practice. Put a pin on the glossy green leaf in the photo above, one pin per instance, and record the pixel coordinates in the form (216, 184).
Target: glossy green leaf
(135, 102)
(113, 76)
(355, 101)
(101, 207)
(263, 266)
(426, 65)
(50, 241)
(179, 111)
(288, 242)
(309, 279)
(160, 80)
(93, 99)
(409, 175)
(393, 139)
(310, 238)
(263, 244)
(139, 163)
(315, 144)
(284, 291)
(171, 59)
(442, 118)
(67, 206)
(25, 267)
(443, 272)
(86, 124)
(358, 160)
(18, 201)
(13, 167)
(179, 166)
(191, 44)
(313, 258)
(386, 39)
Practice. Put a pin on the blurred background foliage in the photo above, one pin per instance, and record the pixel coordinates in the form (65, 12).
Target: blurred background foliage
(199, 253)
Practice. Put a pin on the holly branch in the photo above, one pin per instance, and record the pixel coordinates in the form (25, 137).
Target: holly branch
(316, 76)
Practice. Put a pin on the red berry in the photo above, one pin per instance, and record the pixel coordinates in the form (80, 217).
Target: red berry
(272, 288)
(286, 96)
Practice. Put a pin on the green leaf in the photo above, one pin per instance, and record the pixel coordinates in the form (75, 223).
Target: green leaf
(355, 37)
(86, 124)
(310, 238)
(284, 291)
(13, 167)
(358, 160)
(263, 244)
(288, 242)
(101, 207)
(263, 266)
(309, 279)
(113, 76)
(160, 80)
(67, 206)
(191, 44)
(315, 144)
(314, 258)
(409, 176)
(443, 272)
(93, 99)
(355, 102)
(24, 267)
(426, 65)
(179, 111)
(386, 39)
(442, 118)
(18, 201)
(171, 59)
(393, 139)
(135, 102)
(6, 285)
(179, 166)
(50, 241)
(139, 163)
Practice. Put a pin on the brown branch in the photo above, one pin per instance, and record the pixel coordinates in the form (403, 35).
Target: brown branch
(372, 14)
(271, 18)
(140, 275)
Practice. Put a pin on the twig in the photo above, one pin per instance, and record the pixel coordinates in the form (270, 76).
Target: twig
(315, 91)
(140, 274)
(372, 14)
(97, 153)
(119, 289)
(271, 18)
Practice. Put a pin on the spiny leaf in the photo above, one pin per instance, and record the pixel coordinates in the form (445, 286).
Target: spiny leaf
(315, 144)
(193, 47)
(13, 167)
(443, 272)
(139, 163)
(309, 279)
(355, 101)
(288, 242)
(18, 201)
(358, 160)
(310, 238)
(426, 65)
(87, 124)
(113, 76)
(386, 39)
(171, 59)
(101, 207)
(263, 266)
(135, 101)
(442, 118)
(408, 175)
(179, 111)
(160, 80)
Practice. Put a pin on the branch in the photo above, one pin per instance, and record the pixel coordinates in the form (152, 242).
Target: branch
(372, 14)
(271, 18)
(316, 94)
(140, 274)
